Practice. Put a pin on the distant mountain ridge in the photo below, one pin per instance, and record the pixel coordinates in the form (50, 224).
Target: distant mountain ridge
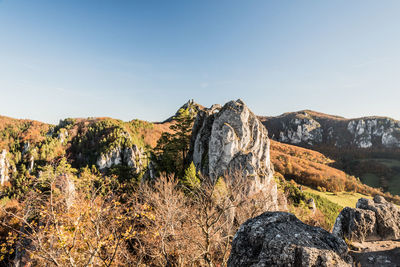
(309, 128)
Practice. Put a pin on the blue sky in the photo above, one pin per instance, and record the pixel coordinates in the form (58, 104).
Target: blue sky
(143, 59)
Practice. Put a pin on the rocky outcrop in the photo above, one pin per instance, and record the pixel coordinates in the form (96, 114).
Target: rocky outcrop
(130, 156)
(229, 140)
(310, 128)
(371, 220)
(4, 167)
(280, 239)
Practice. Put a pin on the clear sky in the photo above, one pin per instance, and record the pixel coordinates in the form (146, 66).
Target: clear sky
(143, 59)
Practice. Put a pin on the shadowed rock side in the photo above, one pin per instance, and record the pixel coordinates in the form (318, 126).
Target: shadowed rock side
(371, 220)
(280, 239)
(229, 139)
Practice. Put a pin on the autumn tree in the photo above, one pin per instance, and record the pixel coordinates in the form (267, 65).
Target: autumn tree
(64, 223)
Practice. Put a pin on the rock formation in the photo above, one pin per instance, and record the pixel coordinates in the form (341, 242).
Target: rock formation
(371, 220)
(4, 167)
(230, 139)
(280, 239)
(130, 156)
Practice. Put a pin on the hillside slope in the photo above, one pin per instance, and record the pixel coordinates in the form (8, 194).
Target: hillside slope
(312, 168)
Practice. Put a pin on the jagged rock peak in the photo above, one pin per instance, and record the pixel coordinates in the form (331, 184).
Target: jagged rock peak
(280, 239)
(229, 139)
(371, 220)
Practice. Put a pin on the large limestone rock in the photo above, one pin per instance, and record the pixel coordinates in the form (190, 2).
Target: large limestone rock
(130, 156)
(229, 140)
(374, 219)
(280, 239)
(4, 167)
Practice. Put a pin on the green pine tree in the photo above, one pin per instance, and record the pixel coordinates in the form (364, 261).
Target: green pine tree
(172, 148)
(190, 179)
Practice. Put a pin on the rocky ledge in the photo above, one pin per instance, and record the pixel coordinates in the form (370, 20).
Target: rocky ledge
(280, 239)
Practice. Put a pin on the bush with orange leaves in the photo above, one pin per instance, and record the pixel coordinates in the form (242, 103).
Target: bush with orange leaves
(61, 226)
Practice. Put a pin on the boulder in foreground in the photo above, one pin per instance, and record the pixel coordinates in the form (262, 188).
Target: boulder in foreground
(280, 239)
(371, 220)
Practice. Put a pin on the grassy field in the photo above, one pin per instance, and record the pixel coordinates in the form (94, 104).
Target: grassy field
(371, 180)
(392, 182)
(389, 162)
(344, 199)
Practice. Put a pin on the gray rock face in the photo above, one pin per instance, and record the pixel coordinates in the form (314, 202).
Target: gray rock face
(366, 130)
(305, 130)
(4, 167)
(130, 156)
(356, 225)
(231, 139)
(371, 220)
(280, 239)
